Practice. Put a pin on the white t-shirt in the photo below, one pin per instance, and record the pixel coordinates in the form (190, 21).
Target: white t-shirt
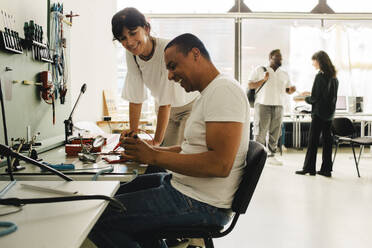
(154, 75)
(273, 92)
(223, 100)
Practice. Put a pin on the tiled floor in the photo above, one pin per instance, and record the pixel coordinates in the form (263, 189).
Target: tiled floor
(294, 211)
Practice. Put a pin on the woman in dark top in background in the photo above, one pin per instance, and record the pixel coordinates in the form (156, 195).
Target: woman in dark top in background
(323, 100)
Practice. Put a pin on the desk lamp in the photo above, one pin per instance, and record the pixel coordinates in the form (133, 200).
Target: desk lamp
(68, 123)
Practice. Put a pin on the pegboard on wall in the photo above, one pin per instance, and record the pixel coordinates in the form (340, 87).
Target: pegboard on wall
(23, 104)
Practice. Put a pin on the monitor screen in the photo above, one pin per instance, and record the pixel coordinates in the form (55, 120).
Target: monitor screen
(341, 103)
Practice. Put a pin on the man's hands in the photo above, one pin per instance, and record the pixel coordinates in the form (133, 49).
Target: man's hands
(127, 133)
(291, 89)
(255, 85)
(138, 150)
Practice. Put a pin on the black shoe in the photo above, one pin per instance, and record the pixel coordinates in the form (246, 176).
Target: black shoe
(324, 173)
(304, 172)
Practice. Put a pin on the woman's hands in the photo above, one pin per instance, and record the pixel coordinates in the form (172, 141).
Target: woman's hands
(301, 97)
(305, 93)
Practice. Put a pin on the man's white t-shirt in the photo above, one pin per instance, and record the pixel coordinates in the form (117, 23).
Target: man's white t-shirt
(223, 100)
(273, 92)
(154, 75)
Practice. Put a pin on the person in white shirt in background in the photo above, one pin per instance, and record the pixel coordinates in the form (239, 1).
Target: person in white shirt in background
(269, 102)
(146, 69)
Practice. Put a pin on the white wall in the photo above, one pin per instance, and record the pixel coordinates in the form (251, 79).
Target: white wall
(92, 57)
(24, 12)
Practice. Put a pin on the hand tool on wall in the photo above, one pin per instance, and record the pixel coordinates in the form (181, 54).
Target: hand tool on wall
(2, 24)
(13, 32)
(6, 36)
(47, 89)
(58, 46)
(17, 35)
(71, 15)
(12, 39)
(34, 41)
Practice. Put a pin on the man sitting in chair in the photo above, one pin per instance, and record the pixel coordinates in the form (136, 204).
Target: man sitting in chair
(204, 172)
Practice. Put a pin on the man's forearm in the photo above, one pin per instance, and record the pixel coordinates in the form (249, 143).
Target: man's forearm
(206, 164)
(175, 149)
(257, 84)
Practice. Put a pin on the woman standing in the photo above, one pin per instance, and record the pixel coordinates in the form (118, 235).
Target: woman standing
(323, 100)
(147, 69)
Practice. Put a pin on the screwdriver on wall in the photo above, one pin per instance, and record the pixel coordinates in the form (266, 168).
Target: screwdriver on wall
(7, 39)
(12, 42)
(18, 41)
(13, 32)
(2, 28)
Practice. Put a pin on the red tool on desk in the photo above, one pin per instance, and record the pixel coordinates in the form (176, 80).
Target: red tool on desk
(134, 136)
(117, 146)
(121, 160)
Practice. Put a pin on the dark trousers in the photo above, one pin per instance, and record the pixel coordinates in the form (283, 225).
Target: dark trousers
(319, 126)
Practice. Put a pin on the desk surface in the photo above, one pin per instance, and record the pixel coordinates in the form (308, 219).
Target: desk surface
(336, 114)
(122, 172)
(64, 224)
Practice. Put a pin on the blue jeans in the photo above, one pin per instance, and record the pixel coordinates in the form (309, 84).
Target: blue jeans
(151, 203)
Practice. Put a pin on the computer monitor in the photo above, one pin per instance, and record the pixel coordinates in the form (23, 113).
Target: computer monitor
(341, 103)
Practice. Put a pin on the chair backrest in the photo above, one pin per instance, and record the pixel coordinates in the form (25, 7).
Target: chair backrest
(342, 126)
(255, 161)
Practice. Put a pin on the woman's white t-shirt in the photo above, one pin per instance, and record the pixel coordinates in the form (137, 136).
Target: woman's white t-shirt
(154, 75)
(223, 100)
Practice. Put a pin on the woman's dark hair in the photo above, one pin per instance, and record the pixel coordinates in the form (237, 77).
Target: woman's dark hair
(186, 42)
(325, 64)
(129, 18)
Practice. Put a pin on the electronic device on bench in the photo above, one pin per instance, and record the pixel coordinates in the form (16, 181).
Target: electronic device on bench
(73, 146)
(349, 104)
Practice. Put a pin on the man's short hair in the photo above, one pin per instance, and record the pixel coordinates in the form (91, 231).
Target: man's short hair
(186, 42)
(273, 52)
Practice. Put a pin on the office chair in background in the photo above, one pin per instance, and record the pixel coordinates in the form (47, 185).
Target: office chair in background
(343, 130)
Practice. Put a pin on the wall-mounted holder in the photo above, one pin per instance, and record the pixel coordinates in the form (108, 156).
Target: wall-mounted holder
(39, 50)
(10, 41)
(34, 41)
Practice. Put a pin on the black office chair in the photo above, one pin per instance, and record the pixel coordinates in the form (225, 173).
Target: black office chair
(256, 159)
(343, 130)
